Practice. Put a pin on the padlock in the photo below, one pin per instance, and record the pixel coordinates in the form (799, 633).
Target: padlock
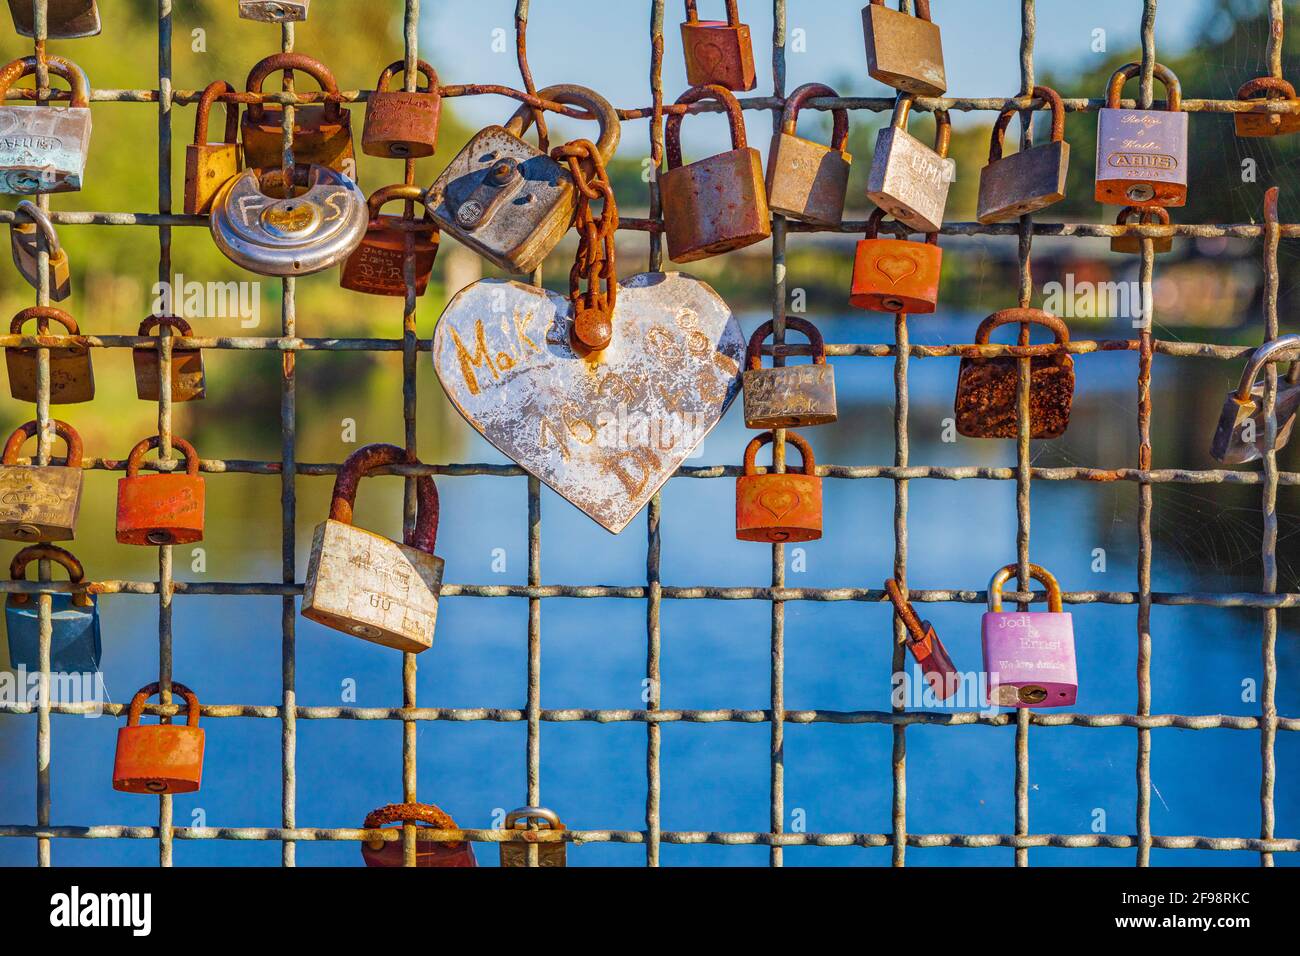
(378, 266)
(717, 204)
(208, 166)
(322, 134)
(361, 583)
(806, 180)
(401, 125)
(75, 645)
(718, 51)
(509, 201)
(908, 179)
(1267, 124)
(1240, 435)
(896, 275)
(64, 19)
(1151, 215)
(779, 507)
(1030, 180)
(1029, 655)
(904, 52)
(163, 757)
(160, 509)
(72, 377)
(926, 648)
(187, 382)
(272, 231)
(1142, 154)
(275, 11)
(43, 148)
(40, 502)
(529, 820)
(791, 396)
(380, 852)
(986, 387)
(26, 240)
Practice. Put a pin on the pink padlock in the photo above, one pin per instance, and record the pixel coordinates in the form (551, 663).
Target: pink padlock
(1029, 655)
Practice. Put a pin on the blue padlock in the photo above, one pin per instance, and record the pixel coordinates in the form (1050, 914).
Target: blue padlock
(74, 640)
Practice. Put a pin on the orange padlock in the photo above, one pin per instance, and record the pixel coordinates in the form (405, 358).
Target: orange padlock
(896, 275)
(718, 51)
(779, 507)
(160, 509)
(159, 758)
(380, 852)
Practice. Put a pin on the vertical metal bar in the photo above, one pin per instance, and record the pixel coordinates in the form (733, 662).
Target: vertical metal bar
(898, 659)
(1268, 692)
(1276, 25)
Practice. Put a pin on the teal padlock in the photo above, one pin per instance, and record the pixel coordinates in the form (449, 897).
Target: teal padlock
(74, 619)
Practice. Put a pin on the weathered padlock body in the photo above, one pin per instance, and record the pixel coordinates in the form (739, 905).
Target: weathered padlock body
(65, 19)
(322, 134)
(937, 668)
(75, 644)
(400, 124)
(903, 51)
(1132, 245)
(40, 502)
(896, 275)
(909, 180)
(72, 377)
(389, 853)
(779, 508)
(209, 166)
(1240, 419)
(378, 265)
(275, 11)
(26, 239)
(1023, 182)
(43, 148)
(1142, 154)
(158, 758)
(188, 382)
(548, 854)
(806, 180)
(718, 51)
(789, 396)
(1267, 124)
(715, 205)
(160, 509)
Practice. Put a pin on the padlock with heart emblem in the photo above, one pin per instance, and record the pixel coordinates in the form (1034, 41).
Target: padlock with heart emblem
(1029, 655)
(1270, 88)
(43, 149)
(806, 180)
(322, 134)
(72, 377)
(160, 509)
(208, 166)
(1142, 154)
(789, 396)
(188, 383)
(774, 507)
(895, 275)
(718, 51)
(902, 51)
(28, 238)
(377, 851)
(75, 645)
(275, 11)
(163, 757)
(402, 125)
(40, 502)
(64, 19)
(1030, 180)
(1150, 216)
(1240, 435)
(941, 675)
(529, 820)
(908, 179)
(378, 265)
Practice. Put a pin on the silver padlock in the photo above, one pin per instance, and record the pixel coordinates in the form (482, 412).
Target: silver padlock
(26, 239)
(274, 234)
(909, 180)
(43, 148)
(274, 11)
(64, 19)
(1239, 437)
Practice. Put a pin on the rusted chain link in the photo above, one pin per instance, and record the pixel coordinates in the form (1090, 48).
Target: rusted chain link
(595, 264)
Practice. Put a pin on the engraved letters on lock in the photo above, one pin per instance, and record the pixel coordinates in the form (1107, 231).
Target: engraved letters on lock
(1142, 154)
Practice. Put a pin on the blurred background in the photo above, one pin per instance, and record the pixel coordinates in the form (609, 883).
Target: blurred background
(715, 654)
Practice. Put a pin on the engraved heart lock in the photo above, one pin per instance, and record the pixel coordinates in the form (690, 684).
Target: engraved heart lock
(895, 275)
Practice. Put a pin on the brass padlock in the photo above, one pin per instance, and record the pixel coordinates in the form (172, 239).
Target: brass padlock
(909, 180)
(72, 378)
(530, 820)
(509, 201)
(789, 396)
(1240, 435)
(26, 240)
(1032, 179)
(378, 265)
(209, 166)
(40, 502)
(1151, 215)
(1267, 124)
(43, 148)
(275, 11)
(1142, 154)
(904, 52)
(718, 51)
(322, 134)
(986, 404)
(717, 204)
(64, 19)
(806, 180)
(402, 125)
(896, 275)
(187, 381)
(779, 507)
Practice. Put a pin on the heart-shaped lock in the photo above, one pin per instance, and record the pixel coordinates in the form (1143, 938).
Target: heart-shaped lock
(606, 430)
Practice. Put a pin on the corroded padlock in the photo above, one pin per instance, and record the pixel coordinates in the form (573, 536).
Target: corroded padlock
(163, 757)
(1150, 216)
(40, 502)
(1029, 655)
(506, 199)
(378, 265)
(209, 166)
(806, 180)
(377, 851)
(75, 645)
(717, 204)
(402, 125)
(160, 509)
(529, 820)
(275, 11)
(904, 52)
(27, 239)
(986, 387)
(909, 180)
(364, 584)
(790, 396)
(1240, 435)
(928, 651)
(188, 383)
(718, 51)
(779, 507)
(1032, 179)
(72, 378)
(1267, 124)
(43, 148)
(64, 19)
(896, 275)
(1142, 154)
(322, 134)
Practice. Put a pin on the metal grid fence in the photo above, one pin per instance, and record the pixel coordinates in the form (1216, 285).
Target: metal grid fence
(288, 712)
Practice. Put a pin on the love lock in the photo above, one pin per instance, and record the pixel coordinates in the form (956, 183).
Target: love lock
(75, 644)
(1240, 435)
(40, 502)
(26, 239)
(380, 852)
(64, 19)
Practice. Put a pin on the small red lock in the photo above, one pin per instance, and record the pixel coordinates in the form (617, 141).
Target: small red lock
(160, 509)
(925, 646)
(779, 507)
(159, 758)
(896, 275)
(380, 852)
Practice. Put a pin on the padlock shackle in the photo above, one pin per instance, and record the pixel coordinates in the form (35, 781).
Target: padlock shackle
(571, 94)
(906, 613)
(291, 63)
(78, 84)
(1036, 573)
(386, 194)
(399, 66)
(525, 814)
(808, 465)
(425, 813)
(1145, 215)
(42, 221)
(48, 552)
(159, 322)
(1266, 353)
(1266, 85)
(877, 216)
(361, 463)
(922, 8)
(28, 430)
(754, 353)
(794, 103)
(211, 93)
(1035, 316)
(43, 314)
(705, 91)
(1048, 96)
(942, 123)
(1173, 89)
(144, 693)
(733, 12)
(136, 458)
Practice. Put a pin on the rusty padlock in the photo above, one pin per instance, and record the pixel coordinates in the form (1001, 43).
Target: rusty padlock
(904, 52)
(187, 382)
(928, 651)
(75, 643)
(401, 125)
(779, 507)
(40, 502)
(72, 378)
(208, 166)
(986, 387)
(806, 180)
(718, 51)
(43, 148)
(1241, 433)
(378, 265)
(322, 134)
(26, 240)
(790, 396)
(363, 584)
(64, 19)
(377, 851)
(1267, 124)
(896, 275)
(530, 820)
(1142, 154)
(160, 509)
(1132, 245)
(909, 180)
(163, 757)
(1032, 179)
(717, 204)
(275, 11)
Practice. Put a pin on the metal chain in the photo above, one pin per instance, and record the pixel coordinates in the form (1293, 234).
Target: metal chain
(596, 263)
